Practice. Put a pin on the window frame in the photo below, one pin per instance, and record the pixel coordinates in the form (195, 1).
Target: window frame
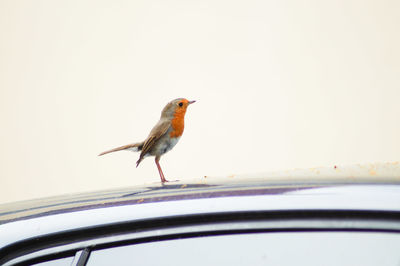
(80, 243)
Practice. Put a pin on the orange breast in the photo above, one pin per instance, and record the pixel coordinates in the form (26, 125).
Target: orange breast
(178, 124)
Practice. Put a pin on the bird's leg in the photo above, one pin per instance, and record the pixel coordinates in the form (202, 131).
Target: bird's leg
(159, 170)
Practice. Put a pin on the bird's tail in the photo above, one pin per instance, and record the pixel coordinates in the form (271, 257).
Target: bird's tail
(132, 147)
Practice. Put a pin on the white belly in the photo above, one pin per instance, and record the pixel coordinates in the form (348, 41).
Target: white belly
(168, 145)
(163, 146)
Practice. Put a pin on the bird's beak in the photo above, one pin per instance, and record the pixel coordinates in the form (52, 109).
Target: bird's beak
(192, 102)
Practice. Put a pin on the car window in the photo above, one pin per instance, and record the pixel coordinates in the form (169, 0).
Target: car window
(307, 248)
(58, 262)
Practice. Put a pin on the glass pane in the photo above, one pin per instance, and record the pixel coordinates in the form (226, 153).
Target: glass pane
(59, 262)
(325, 248)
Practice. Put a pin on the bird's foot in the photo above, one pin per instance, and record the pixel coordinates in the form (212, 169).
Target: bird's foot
(170, 181)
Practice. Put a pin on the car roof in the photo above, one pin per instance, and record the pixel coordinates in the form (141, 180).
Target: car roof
(207, 196)
(181, 190)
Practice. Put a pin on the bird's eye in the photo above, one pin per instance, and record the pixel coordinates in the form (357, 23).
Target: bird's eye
(181, 104)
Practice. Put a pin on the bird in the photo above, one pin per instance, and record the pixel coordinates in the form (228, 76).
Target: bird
(164, 135)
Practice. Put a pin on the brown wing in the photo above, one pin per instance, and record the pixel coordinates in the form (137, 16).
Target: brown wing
(160, 129)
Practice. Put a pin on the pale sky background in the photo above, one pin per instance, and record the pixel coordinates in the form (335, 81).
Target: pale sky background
(279, 85)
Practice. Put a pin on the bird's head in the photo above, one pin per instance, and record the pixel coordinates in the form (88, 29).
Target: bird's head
(176, 107)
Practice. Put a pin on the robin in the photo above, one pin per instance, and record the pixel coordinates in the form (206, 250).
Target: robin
(164, 135)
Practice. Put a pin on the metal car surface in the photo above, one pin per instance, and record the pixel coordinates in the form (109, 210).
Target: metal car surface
(76, 225)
